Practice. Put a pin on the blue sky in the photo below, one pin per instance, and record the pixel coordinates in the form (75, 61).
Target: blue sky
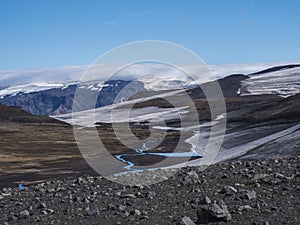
(40, 33)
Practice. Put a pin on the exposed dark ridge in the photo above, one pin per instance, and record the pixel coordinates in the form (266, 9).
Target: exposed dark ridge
(233, 79)
(276, 68)
(18, 115)
(229, 86)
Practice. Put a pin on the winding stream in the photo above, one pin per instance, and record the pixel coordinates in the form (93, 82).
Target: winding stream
(143, 151)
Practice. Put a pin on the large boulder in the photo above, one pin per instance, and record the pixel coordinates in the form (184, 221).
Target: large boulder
(214, 212)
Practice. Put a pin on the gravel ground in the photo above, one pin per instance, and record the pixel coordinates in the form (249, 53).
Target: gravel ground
(243, 192)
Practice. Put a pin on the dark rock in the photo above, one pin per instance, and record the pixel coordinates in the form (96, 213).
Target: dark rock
(191, 178)
(187, 221)
(128, 196)
(12, 218)
(24, 214)
(228, 190)
(44, 212)
(251, 195)
(122, 208)
(245, 207)
(136, 212)
(51, 211)
(215, 212)
(42, 206)
(205, 201)
(92, 211)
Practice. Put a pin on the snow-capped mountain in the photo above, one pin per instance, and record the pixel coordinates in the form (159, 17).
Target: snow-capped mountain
(28, 88)
(55, 94)
(49, 100)
(154, 76)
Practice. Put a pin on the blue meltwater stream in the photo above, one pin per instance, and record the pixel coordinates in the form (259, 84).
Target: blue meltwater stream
(141, 152)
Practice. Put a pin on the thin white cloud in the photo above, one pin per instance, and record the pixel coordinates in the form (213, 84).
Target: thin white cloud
(153, 75)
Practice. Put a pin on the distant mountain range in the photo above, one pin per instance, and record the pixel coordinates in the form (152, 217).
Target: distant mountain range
(56, 99)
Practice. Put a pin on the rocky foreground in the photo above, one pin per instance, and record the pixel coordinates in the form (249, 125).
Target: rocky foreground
(244, 192)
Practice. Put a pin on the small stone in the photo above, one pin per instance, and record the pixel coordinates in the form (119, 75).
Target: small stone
(136, 212)
(24, 214)
(36, 218)
(191, 178)
(77, 199)
(51, 211)
(187, 221)
(50, 190)
(257, 185)
(122, 208)
(129, 196)
(228, 190)
(274, 208)
(260, 177)
(86, 201)
(79, 180)
(281, 176)
(245, 207)
(144, 217)
(250, 195)
(42, 206)
(224, 176)
(13, 218)
(92, 212)
(206, 201)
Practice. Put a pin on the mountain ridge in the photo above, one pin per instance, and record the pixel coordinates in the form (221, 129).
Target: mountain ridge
(57, 101)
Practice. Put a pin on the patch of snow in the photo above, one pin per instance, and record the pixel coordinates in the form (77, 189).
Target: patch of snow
(28, 88)
(226, 154)
(90, 117)
(284, 83)
(69, 84)
(222, 116)
(104, 114)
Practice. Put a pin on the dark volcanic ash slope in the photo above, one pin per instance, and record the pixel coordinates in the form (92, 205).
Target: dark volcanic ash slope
(249, 192)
